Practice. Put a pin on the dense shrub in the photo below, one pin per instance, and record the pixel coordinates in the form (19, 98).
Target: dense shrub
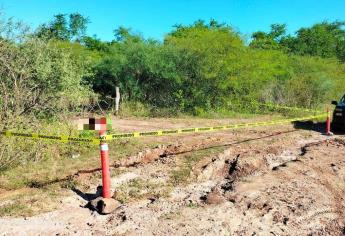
(207, 67)
(40, 81)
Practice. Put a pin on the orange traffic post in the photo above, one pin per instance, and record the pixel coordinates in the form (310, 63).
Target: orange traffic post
(104, 160)
(104, 204)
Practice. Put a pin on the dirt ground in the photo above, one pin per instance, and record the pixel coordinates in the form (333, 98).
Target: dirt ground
(276, 180)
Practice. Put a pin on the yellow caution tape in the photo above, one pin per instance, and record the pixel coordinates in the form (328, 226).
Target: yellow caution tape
(50, 137)
(212, 128)
(157, 132)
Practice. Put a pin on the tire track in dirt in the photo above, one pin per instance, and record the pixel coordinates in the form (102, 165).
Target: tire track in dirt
(240, 165)
(337, 207)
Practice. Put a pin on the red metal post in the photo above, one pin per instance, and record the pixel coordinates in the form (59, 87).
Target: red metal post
(328, 122)
(105, 164)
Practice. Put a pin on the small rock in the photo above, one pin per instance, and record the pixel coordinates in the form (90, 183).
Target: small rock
(104, 205)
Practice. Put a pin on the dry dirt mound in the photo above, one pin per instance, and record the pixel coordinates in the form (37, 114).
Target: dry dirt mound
(305, 194)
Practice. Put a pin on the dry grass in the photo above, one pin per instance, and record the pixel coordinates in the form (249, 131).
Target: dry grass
(38, 187)
(29, 201)
(137, 189)
(182, 173)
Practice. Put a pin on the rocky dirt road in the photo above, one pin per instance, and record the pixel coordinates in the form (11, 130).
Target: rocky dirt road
(262, 181)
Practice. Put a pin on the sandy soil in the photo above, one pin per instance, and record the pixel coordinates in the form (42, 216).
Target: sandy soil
(263, 181)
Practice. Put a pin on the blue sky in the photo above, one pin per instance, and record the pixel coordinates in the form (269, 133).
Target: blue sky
(154, 18)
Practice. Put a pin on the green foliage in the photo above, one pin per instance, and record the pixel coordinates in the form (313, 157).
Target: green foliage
(206, 68)
(64, 27)
(50, 82)
(208, 50)
(134, 108)
(326, 40)
(200, 68)
(271, 40)
(145, 71)
(95, 44)
(41, 82)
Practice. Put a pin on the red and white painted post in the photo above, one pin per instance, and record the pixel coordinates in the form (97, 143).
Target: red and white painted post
(104, 159)
(105, 204)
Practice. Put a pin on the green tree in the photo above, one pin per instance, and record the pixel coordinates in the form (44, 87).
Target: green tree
(123, 34)
(64, 27)
(207, 76)
(95, 44)
(271, 40)
(145, 71)
(324, 40)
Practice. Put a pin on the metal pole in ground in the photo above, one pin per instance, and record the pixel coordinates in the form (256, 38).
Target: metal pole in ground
(105, 164)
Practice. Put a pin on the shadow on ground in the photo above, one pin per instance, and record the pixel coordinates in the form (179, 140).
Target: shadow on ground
(317, 127)
(88, 196)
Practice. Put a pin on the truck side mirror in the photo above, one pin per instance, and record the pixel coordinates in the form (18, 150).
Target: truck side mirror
(334, 102)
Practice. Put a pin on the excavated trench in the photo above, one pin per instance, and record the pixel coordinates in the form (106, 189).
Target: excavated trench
(292, 210)
(238, 166)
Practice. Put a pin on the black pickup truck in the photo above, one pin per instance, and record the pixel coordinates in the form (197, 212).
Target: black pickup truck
(338, 122)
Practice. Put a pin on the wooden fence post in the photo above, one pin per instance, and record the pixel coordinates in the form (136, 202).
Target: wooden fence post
(117, 100)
